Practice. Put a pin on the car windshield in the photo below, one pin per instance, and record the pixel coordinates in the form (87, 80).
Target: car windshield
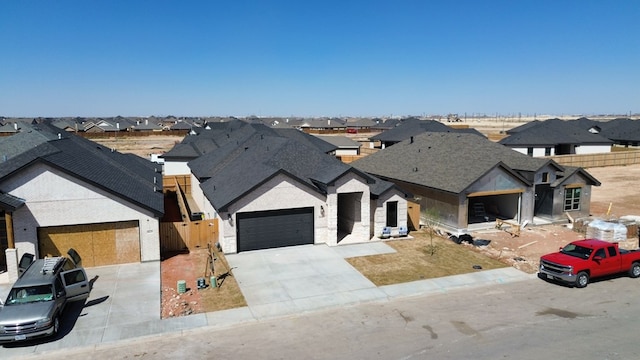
(577, 251)
(30, 294)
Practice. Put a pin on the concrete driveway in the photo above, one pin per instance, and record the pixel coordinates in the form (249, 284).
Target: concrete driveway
(124, 303)
(297, 279)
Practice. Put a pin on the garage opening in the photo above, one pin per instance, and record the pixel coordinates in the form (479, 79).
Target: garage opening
(349, 213)
(275, 228)
(489, 208)
(97, 244)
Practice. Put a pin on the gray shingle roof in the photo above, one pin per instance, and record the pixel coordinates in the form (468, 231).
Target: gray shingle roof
(235, 169)
(446, 161)
(236, 131)
(413, 126)
(621, 129)
(127, 176)
(341, 142)
(550, 133)
(9, 202)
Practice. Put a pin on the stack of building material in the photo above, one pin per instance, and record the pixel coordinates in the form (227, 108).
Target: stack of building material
(606, 231)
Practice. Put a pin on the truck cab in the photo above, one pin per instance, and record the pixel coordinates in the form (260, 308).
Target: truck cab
(38, 298)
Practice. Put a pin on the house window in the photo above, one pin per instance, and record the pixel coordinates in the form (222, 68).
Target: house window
(572, 199)
(392, 213)
(530, 151)
(545, 177)
(547, 151)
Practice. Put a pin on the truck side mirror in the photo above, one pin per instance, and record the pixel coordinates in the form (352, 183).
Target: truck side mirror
(597, 258)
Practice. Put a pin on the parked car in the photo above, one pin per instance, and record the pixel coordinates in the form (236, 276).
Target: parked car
(582, 260)
(37, 299)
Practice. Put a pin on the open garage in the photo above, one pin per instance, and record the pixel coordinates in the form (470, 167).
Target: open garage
(275, 228)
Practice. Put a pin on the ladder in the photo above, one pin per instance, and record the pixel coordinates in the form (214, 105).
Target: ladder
(50, 264)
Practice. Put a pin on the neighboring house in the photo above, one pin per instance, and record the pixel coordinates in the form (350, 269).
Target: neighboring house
(471, 181)
(345, 146)
(555, 137)
(181, 125)
(147, 125)
(623, 132)
(360, 125)
(384, 125)
(74, 193)
(323, 125)
(281, 187)
(411, 127)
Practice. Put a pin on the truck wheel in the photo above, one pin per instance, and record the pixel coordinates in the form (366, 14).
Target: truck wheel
(582, 279)
(634, 272)
(56, 325)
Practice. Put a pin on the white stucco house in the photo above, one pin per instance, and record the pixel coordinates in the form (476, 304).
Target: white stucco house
(555, 137)
(63, 191)
(268, 190)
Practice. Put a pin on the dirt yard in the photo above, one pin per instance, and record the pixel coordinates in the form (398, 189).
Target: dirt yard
(618, 192)
(189, 267)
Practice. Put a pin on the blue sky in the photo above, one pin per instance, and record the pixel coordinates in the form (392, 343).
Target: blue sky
(318, 58)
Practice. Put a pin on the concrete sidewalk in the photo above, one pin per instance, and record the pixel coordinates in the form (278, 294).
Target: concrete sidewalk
(125, 300)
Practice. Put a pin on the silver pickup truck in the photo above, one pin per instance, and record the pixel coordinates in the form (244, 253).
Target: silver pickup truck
(38, 298)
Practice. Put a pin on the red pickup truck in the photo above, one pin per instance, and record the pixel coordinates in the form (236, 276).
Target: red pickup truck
(581, 260)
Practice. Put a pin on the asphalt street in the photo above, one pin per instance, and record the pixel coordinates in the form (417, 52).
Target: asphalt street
(529, 319)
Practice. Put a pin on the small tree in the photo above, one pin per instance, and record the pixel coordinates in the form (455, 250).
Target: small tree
(431, 218)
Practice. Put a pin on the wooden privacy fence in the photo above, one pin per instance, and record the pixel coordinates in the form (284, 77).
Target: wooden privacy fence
(188, 235)
(616, 158)
(185, 234)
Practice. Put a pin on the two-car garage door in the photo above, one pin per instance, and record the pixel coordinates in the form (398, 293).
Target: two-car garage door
(97, 244)
(276, 228)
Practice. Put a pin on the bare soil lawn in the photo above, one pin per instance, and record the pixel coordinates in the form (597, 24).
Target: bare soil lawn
(420, 258)
(189, 267)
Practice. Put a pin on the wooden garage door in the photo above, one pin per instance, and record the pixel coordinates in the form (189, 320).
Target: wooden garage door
(272, 229)
(97, 244)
